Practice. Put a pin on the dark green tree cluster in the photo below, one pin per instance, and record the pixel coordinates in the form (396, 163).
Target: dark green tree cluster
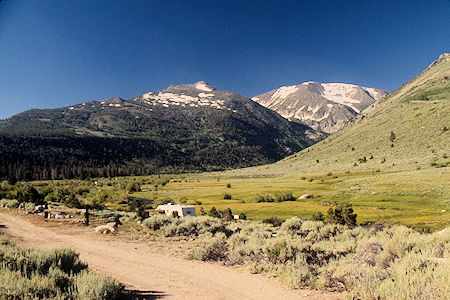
(274, 221)
(278, 197)
(138, 207)
(226, 214)
(342, 213)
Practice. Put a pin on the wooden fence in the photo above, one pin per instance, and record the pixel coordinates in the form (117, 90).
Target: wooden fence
(86, 216)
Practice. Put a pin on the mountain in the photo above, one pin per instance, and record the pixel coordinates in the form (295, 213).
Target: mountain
(323, 106)
(407, 130)
(191, 127)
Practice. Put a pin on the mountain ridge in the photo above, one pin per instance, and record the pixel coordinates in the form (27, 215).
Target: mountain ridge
(407, 130)
(193, 127)
(323, 106)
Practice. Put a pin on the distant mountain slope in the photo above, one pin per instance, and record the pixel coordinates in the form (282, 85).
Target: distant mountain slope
(323, 106)
(185, 127)
(407, 130)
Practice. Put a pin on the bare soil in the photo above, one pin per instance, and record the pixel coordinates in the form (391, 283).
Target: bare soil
(152, 269)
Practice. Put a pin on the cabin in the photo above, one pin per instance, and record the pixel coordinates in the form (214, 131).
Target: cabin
(181, 210)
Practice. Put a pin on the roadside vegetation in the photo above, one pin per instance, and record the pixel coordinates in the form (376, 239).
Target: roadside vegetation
(51, 274)
(307, 242)
(364, 262)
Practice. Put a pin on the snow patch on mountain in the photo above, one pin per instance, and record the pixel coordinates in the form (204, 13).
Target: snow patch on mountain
(202, 86)
(205, 95)
(374, 93)
(166, 99)
(342, 94)
(284, 91)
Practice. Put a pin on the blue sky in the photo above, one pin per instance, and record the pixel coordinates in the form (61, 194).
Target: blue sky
(57, 53)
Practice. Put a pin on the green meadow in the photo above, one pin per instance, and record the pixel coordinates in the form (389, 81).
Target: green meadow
(418, 198)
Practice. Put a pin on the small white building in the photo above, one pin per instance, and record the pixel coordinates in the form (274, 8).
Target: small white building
(182, 210)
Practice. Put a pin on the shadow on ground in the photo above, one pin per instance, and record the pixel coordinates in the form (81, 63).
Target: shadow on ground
(144, 295)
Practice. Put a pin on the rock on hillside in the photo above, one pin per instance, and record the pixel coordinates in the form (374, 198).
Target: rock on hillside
(323, 106)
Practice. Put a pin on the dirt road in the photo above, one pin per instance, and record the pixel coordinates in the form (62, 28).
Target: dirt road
(152, 268)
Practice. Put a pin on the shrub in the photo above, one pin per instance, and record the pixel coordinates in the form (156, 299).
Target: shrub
(292, 225)
(284, 196)
(318, 216)
(133, 187)
(187, 226)
(242, 216)
(138, 207)
(156, 222)
(50, 274)
(215, 250)
(369, 263)
(64, 259)
(362, 160)
(97, 287)
(342, 213)
(162, 201)
(263, 198)
(274, 221)
(72, 201)
(15, 286)
(213, 213)
(297, 276)
(278, 197)
(227, 215)
(392, 137)
(226, 196)
(202, 212)
(194, 226)
(9, 203)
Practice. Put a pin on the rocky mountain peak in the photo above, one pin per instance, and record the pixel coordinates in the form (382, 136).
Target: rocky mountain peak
(203, 86)
(445, 56)
(323, 106)
(197, 87)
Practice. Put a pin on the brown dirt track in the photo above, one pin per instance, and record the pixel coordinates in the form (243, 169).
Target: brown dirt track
(152, 269)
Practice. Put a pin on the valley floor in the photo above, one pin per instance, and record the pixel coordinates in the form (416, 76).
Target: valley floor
(153, 269)
(414, 198)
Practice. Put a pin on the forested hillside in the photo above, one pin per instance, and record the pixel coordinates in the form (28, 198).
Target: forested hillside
(183, 128)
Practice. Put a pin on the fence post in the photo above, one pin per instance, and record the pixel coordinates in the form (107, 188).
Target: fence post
(86, 216)
(45, 211)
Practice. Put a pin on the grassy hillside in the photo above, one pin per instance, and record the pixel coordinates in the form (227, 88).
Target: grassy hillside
(407, 130)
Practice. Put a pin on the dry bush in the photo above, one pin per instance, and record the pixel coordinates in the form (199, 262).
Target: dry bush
(186, 226)
(215, 250)
(13, 203)
(370, 263)
(156, 222)
(97, 287)
(50, 274)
